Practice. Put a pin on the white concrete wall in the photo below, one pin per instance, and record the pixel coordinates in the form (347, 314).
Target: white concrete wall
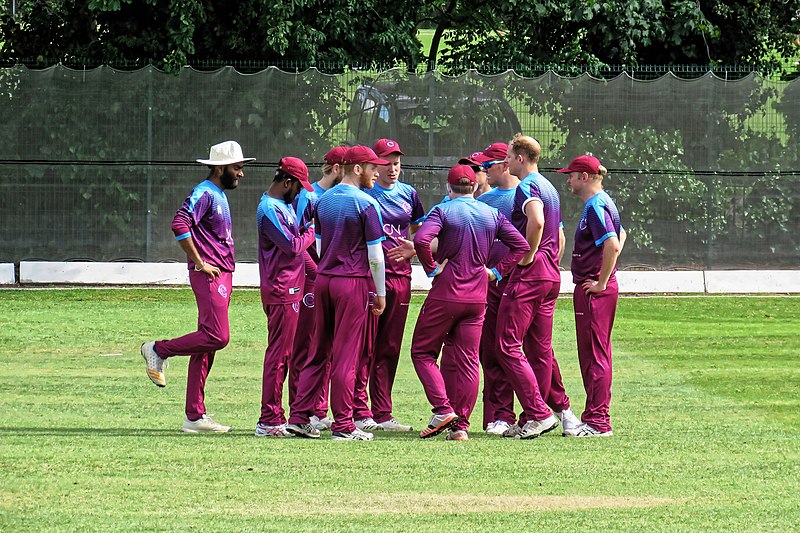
(246, 275)
(7, 276)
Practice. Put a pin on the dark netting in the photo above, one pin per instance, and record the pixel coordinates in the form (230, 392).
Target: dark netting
(94, 163)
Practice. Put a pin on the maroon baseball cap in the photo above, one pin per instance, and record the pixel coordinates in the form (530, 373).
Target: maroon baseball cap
(362, 154)
(459, 173)
(475, 158)
(384, 147)
(495, 152)
(583, 163)
(296, 169)
(335, 155)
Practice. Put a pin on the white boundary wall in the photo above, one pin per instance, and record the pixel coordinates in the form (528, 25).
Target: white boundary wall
(7, 276)
(246, 275)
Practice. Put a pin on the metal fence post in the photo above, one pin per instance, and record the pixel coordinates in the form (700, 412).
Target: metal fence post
(149, 225)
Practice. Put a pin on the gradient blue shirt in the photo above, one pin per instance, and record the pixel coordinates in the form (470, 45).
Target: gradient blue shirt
(503, 201)
(205, 216)
(466, 229)
(346, 221)
(537, 188)
(400, 207)
(599, 221)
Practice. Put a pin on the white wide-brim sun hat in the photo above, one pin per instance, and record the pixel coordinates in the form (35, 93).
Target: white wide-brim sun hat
(225, 153)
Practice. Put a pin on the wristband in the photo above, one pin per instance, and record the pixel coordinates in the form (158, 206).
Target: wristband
(199, 269)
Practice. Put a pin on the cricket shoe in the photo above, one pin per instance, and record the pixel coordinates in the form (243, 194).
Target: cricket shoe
(457, 434)
(356, 434)
(437, 424)
(366, 424)
(204, 424)
(393, 425)
(155, 365)
(497, 428)
(585, 430)
(307, 431)
(534, 428)
(321, 424)
(512, 431)
(264, 430)
(569, 421)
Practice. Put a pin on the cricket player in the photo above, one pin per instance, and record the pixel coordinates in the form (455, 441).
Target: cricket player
(402, 214)
(528, 301)
(599, 239)
(454, 310)
(305, 203)
(498, 394)
(349, 232)
(203, 229)
(282, 248)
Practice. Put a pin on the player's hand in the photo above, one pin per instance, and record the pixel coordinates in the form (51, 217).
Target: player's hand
(490, 273)
(404, 252)
(378, 305)
(211, 270)
(440, 268)
(593, 287)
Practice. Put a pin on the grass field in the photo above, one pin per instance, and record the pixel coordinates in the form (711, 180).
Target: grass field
(706, 435)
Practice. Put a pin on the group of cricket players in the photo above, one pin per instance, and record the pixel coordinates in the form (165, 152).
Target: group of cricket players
(335, 262)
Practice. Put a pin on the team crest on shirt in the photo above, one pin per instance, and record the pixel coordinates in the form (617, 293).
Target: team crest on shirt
(223, 291)
(296, 307)
(582, 225)
(406, 207)
(308, 300)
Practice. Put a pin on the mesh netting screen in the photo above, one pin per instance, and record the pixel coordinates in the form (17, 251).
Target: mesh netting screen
(93, 164)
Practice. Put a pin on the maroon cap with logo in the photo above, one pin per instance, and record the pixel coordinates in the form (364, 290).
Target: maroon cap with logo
(384, 147)
(336, 155)
(362, 154)
(495, 152)
(461, 175)
(583, 163)
(475, 158)
(296, 169)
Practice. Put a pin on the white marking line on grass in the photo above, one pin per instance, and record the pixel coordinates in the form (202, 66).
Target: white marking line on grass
(416, 503)
(111, 354)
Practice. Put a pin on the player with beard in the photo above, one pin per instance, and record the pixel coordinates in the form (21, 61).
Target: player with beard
(402, 214)
(304, 204)
(282, 245)
(349, 232)
(203, 229)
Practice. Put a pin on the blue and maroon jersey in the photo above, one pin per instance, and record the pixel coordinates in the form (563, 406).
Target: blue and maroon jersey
(206, 217)
(304, 205)
(400, 207)
(346, 221)
(466, 230)
(503, 201)
(281, 252)
(318, 190)
(599, 221)
(536, 188)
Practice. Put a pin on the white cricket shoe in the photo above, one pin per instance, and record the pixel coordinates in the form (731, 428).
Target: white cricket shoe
(155, 365)
(534, 428)
(321, 424)
(585, 430)
(307, 431)
(263, 430)
(512, 431)
(457, 434)
(204, 424)
(356, 434)
(366, 424)
(568, 420)
(393, 425)
(498, 427)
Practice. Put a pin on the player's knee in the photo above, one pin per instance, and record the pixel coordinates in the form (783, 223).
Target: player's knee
(218, 339)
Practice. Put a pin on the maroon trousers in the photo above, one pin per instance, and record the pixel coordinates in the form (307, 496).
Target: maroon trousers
(594, 319)
(457, 326)
(281, 327)
(341, 312)
(213, 333)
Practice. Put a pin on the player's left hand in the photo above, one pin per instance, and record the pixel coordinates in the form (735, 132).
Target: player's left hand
(490, 273)
(404, 252)
(378, 305)
(593, 287)
(440, 267)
